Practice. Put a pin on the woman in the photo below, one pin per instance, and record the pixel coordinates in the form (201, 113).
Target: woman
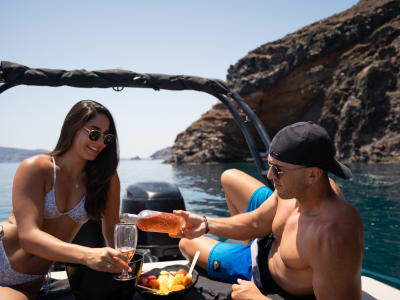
(54, 194)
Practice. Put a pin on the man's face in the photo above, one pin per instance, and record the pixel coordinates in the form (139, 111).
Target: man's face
(289, 179)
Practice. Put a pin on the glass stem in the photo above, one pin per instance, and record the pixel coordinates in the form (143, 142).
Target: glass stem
(124, 273)
(46, 283)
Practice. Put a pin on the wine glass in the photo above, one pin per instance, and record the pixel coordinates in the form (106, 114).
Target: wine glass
(125, 240)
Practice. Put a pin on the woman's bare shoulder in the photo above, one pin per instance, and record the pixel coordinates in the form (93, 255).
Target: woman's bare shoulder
(36, 164)
(32, 179)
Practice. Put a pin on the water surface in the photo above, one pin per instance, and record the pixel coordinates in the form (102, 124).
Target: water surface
(374, 190)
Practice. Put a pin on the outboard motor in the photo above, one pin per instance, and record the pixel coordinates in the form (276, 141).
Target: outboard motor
(159, 196)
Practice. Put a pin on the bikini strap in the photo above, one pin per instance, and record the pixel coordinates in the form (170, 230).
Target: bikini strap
(54, 171)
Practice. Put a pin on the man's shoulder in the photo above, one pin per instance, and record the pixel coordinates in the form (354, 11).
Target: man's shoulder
(339, 229)
(343, 215)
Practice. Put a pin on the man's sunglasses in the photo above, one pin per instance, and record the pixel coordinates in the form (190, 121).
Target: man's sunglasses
(277, 171)
(94, 135)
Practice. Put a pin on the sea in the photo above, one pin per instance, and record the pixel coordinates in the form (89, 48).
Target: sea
(374, 190)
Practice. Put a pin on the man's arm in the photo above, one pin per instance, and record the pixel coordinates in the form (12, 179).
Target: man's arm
(336, 263)
(257, 223)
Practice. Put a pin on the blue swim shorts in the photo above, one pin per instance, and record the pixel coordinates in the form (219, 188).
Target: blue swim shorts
(259, 196)
(228, 261)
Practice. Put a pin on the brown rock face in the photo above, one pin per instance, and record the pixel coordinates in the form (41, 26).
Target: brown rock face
(213, 138)
(341, 72)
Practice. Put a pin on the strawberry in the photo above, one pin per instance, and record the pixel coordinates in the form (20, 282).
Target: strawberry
(151, 277)
(181, 271)
(144, 280)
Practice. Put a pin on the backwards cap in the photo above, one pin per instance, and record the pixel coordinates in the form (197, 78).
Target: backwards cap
(307, 144)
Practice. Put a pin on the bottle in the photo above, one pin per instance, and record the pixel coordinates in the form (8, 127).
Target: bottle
(154, 221)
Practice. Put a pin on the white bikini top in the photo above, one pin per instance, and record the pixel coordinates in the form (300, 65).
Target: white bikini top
(77, 213)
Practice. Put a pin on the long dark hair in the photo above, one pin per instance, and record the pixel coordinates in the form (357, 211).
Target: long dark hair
(99, 171)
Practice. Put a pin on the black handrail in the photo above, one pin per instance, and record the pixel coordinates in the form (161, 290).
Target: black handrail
(254, 119)
(261, 166)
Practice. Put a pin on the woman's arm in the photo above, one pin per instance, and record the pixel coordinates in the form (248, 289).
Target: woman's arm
(111, 213)
(29, 189)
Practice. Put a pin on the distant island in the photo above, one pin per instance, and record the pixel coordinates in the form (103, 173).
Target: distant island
(162, 154)
(15, 154)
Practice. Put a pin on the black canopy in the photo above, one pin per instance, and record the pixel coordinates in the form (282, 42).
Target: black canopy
(13, 74)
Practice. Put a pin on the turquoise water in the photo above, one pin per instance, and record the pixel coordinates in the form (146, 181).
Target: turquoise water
(374, 190)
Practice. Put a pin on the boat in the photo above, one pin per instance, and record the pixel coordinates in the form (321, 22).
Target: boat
(13, 74)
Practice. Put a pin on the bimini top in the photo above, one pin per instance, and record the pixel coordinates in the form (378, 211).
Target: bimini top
(13, 74)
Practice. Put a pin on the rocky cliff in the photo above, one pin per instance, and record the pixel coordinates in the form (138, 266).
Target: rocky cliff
(341, 72)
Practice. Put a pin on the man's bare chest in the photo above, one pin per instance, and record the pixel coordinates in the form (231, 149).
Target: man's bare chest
(291, 240)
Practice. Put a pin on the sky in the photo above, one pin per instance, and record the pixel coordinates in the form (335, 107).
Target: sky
(182, 37)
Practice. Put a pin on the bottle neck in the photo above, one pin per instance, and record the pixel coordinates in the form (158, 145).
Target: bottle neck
(128, 218)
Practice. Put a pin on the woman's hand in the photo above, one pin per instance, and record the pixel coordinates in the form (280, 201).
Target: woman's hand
(194, 226)
(246, 290)
(106, 260)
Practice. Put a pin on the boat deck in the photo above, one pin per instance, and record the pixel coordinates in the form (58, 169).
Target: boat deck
(207, 289)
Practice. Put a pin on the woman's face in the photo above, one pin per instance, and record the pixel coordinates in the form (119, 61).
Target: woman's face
(87, 148)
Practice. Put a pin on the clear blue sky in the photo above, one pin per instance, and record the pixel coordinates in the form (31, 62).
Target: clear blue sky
(201, 38)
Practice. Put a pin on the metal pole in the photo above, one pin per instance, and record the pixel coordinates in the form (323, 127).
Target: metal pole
(261, 168)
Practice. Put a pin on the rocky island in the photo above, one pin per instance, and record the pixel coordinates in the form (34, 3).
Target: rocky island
(342, 72)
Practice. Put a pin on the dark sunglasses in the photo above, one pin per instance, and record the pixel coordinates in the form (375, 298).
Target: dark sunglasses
(94, 135)
(277, 171)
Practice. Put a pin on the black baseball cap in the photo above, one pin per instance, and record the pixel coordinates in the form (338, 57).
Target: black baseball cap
(307, 144)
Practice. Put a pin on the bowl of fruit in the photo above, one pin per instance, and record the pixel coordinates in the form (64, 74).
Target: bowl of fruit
(171, 282)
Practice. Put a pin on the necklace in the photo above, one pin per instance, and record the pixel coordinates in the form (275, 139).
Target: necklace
(78, 179)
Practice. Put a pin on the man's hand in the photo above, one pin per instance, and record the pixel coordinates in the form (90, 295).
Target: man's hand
(246, 290)
(194, 226)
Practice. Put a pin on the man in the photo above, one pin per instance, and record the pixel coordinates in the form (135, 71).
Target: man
(309, 239)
